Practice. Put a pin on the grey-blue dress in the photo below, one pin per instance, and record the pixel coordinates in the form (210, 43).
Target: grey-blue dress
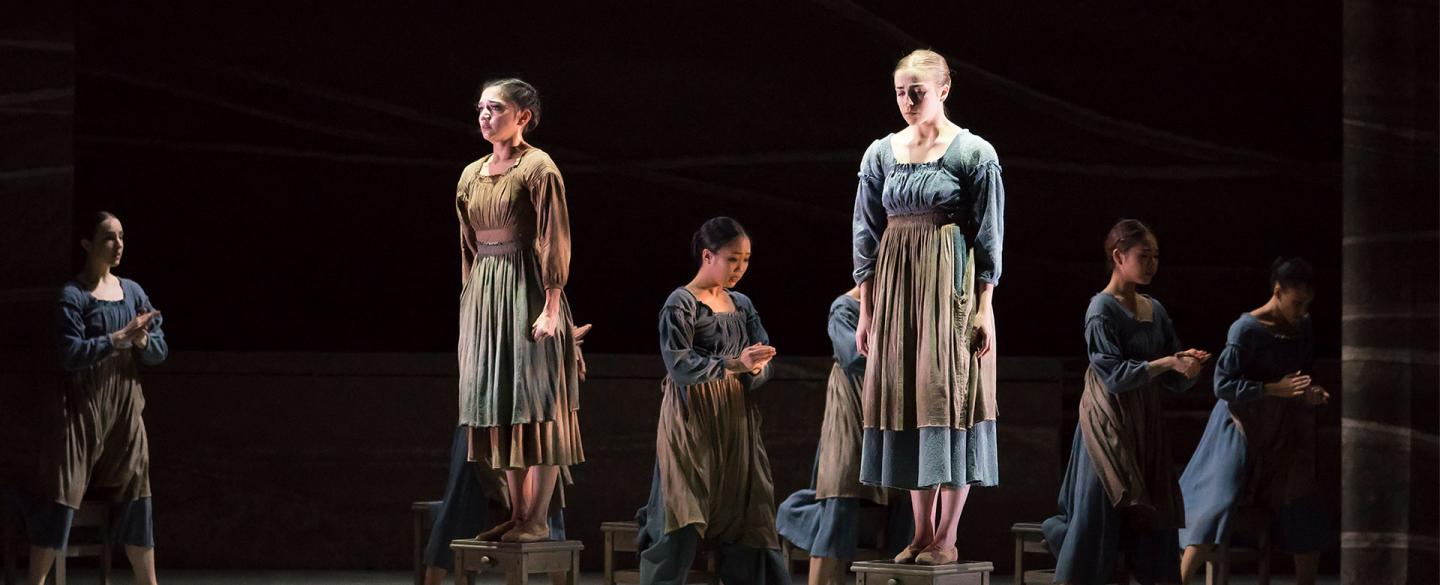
(712, 475)
(1089, 532)
(927, 235)
(824, 519)
(95, 436)
(1256, 449)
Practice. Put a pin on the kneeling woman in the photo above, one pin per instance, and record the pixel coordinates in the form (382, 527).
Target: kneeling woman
(1120, 493)
(824, 519)
(1259, 446)
(712, 475)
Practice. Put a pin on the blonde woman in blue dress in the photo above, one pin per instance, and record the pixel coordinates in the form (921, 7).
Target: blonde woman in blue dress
(927, 237)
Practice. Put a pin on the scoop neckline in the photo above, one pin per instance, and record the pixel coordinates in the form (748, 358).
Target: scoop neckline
(1133, 315)
(484, 160)
(1268, 330)
(890, 146)
(713, 311)
(123, 295)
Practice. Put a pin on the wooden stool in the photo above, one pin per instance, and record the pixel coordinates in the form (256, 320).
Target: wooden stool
(1219, 557)
(1030, 539)
(620, 537)
(419, 519)
(93, 514)
(890, 573)
(517, 560)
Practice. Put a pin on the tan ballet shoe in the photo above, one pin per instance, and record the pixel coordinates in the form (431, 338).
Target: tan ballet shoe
(493, 534)
(520, 534)
(907, 556)
(932, 556)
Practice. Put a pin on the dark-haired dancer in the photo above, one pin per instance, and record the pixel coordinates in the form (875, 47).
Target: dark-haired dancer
(712, 475)
(928, 229)
(824, 519)
(519, 368)
(1259, 446)
(93, 434)
(1120, 492)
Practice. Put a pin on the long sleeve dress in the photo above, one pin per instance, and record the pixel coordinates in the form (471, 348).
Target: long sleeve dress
(95, 437)
(712, 474)
(824, 519)
(1120, 492)
(515, 245)
(1256, 449)
(926, 235)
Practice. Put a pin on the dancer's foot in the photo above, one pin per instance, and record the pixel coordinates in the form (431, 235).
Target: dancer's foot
(937, 556)
(907, 556)
(523, 533)
(493, 534)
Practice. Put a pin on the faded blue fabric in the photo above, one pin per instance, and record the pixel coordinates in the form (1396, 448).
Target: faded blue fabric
(85, 324)
(1088, 533)
(695, 341)
(1220, 472)
(963, 183)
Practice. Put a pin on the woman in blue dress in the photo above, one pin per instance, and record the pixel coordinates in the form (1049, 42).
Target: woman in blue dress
(1259, 447)
(1120, 493)
(824, 519)
(927, 237)
(712, 475)
(94, 436)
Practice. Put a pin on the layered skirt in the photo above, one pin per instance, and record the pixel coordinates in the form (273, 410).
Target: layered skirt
(521, 395)
(713, 469)
(928, 401)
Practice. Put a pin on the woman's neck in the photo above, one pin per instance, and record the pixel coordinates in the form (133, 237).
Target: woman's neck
(94, 274)
(1120, 287)
(929, 131)
(508, 149)
(1270, 314)
(705, 286)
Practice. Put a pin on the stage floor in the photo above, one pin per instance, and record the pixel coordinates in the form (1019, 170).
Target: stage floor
(123, 577)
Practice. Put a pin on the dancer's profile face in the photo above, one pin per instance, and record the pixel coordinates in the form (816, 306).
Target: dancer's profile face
(107, 244)
(728, 264)
(1139, 263)
(1294, 301)
(919, 96)
(499, 119)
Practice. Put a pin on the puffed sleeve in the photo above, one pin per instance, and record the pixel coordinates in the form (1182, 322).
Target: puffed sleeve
(156, 347)
(1171, 380)
(844, 318)
(869, 220)
(77, 351)
(755, 332)
(686, 364)
(1102, 343)
(552, 225)
(1230, 382)
(467, 234)
(989, 212)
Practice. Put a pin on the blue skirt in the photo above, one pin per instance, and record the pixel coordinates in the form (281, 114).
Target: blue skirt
(923, 458)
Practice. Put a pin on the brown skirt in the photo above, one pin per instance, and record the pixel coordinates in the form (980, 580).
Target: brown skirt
(96, 437)
(714, 472)
(837, 473)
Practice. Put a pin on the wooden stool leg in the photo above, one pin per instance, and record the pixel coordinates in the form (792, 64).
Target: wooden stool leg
(462, 573)
(518, 574)
(1264, 577)
(1019, 561)
(574, 576)
(60, 567)
(609, 578)
(418, 523)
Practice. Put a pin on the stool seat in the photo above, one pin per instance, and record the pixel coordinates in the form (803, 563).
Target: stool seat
(891, 573)
(517, 560)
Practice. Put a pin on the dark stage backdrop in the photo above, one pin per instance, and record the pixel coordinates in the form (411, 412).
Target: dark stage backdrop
(286, 171)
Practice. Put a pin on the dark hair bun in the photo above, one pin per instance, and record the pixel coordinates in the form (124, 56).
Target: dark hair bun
(714, 234)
